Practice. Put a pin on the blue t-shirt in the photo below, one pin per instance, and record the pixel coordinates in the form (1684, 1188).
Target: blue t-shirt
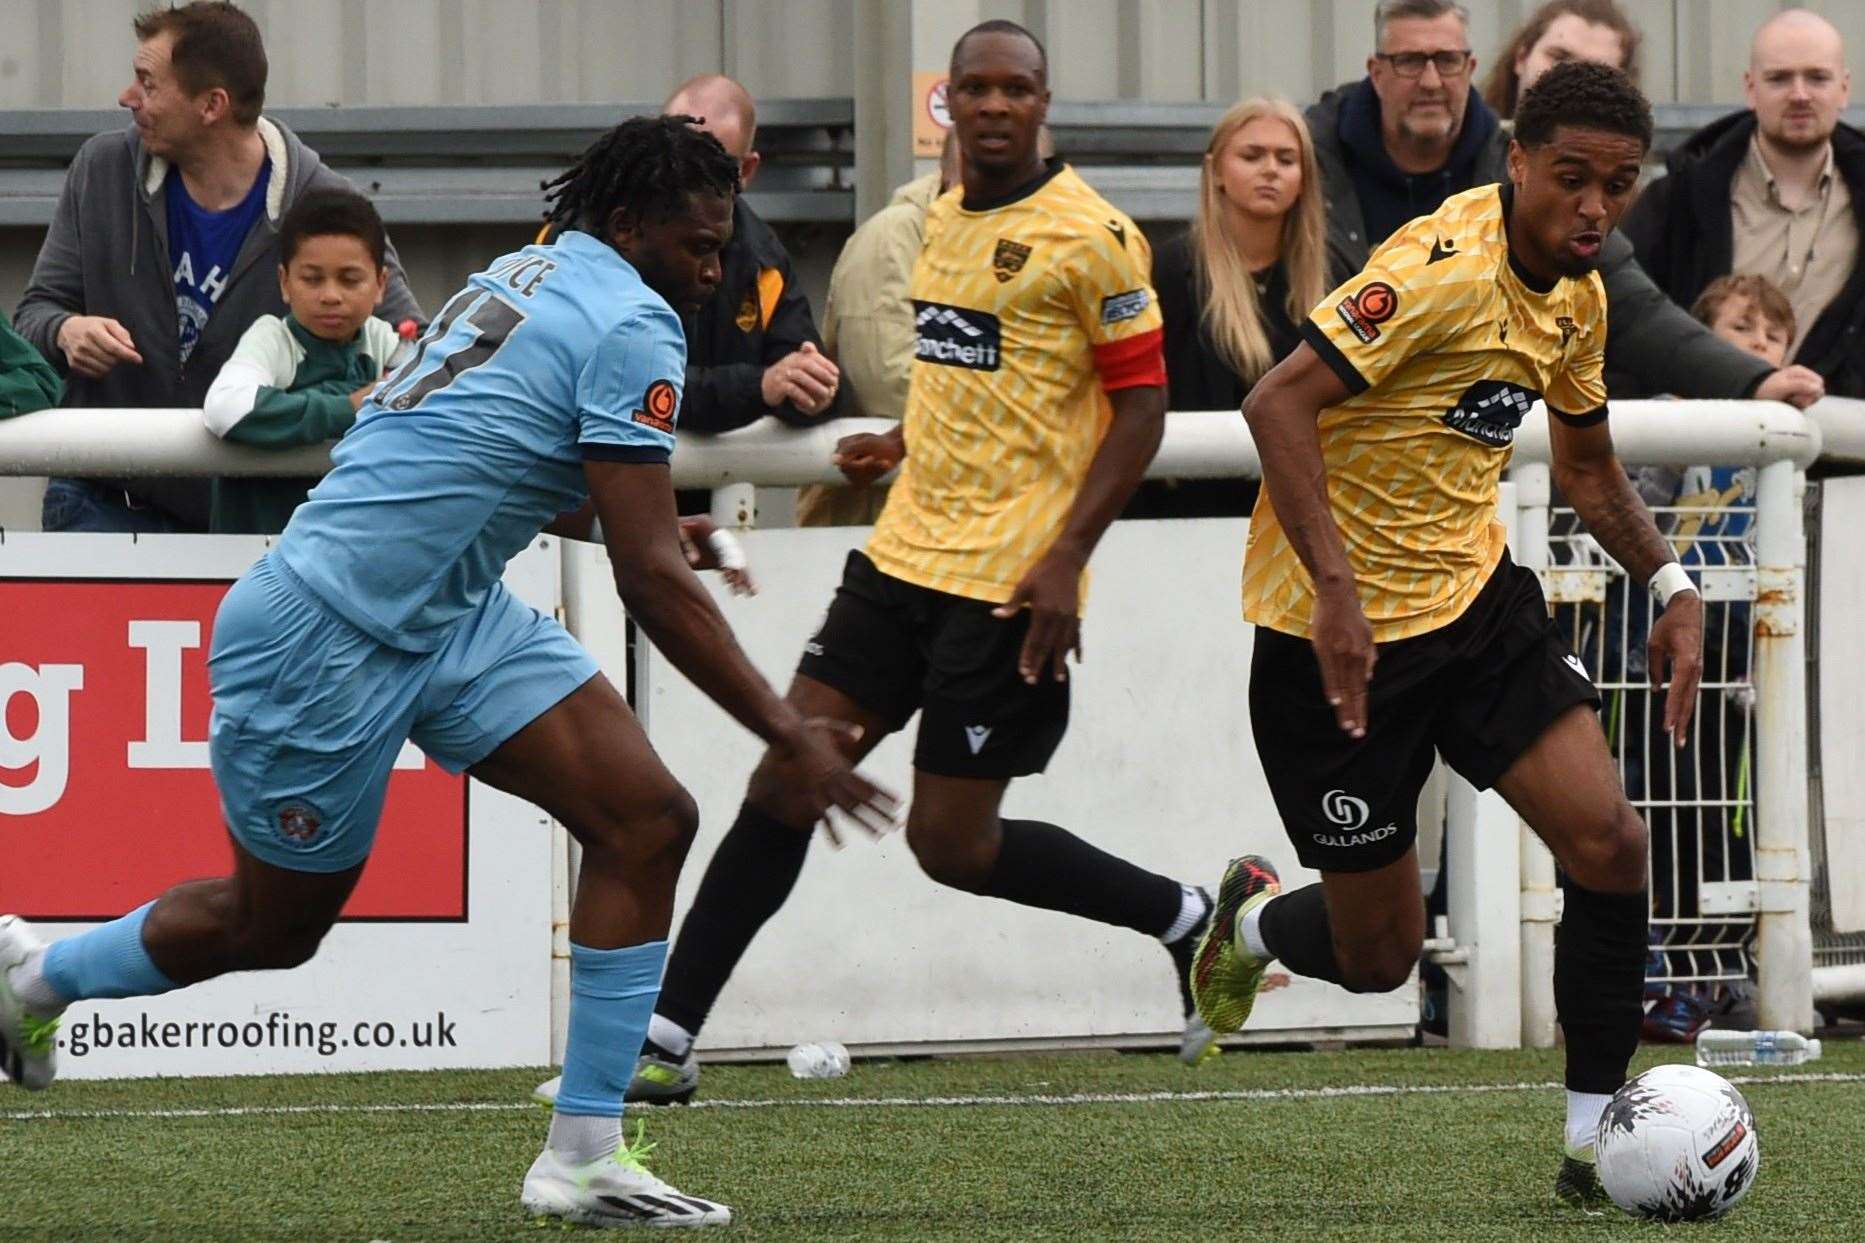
(203, 245)
(552, 355)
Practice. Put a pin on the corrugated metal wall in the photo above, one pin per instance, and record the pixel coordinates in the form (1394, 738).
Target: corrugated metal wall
(74, 53)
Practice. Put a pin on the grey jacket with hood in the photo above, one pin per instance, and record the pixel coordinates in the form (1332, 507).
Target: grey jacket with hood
(1652, 344)
(107, 254)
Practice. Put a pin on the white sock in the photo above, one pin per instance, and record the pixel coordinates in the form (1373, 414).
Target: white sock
(1250, 933)
(1192, 907)
(579, 1139)
(28, 983)
(670, 1036)
(1583, 1114)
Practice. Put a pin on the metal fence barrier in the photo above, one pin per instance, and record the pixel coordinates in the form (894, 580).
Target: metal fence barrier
(1732, 862)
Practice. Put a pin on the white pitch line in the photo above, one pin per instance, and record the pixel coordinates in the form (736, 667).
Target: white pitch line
(909, 1102)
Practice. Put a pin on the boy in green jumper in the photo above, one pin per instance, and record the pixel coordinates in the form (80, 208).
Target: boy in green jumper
(27, 381)
(300, 380)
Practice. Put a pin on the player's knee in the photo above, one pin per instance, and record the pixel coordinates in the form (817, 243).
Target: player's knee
(1381, 971)
(1613, 858)
(276, 949)
(959, 860)
(774, 790)
(666, 830)
(1383, 957)
(652, 829)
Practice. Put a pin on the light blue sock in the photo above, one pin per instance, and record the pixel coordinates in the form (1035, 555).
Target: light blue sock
(106, 962)
(612, 994)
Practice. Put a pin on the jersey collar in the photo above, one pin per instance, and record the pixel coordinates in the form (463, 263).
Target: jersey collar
(1052, 166)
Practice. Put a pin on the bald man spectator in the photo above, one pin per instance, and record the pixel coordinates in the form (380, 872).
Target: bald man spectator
(1776, 190)
(1414, 131)
(753, 350)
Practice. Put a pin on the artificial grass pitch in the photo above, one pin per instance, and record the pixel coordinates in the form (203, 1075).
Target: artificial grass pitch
(974, 1148)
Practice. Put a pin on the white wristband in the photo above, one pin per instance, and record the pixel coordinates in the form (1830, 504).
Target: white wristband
(728, 550)
(1668, 581)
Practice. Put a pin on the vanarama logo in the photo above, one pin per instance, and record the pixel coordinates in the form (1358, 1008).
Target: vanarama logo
(1349, 814)
(1365, 311)
(658, 405)
(956, 336)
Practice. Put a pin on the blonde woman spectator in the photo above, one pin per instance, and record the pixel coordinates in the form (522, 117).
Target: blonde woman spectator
(1233, 289)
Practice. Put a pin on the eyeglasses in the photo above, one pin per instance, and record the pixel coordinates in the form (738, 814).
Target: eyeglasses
(1412, 64)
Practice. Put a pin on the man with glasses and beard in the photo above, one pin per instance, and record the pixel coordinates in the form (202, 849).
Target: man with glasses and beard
(1414, 132)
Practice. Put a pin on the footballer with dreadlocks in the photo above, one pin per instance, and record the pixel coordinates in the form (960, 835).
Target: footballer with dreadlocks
(553, 377)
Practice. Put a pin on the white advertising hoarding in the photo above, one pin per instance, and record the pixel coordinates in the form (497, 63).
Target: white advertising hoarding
(442, 958)
(1159, 767)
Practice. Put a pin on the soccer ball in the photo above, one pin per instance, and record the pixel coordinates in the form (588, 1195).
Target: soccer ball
(1677, 1144)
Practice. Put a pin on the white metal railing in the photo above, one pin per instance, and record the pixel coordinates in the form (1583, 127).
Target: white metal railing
(1779, 441)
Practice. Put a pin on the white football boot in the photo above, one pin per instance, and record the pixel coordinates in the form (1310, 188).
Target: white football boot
(28, 1041)
(616, 1192)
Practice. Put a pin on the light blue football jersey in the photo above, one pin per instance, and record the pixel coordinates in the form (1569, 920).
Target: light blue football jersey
(552, 355)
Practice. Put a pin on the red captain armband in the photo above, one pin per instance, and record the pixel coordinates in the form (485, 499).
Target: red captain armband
(1132, 362)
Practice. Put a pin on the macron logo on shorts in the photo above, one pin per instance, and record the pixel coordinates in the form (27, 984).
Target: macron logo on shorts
(976, 736)
(956, 336)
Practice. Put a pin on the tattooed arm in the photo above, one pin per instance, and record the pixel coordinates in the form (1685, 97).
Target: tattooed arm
(1588, 473)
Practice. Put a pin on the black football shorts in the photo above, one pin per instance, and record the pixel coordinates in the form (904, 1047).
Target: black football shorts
(895, 648)
(1478, 692)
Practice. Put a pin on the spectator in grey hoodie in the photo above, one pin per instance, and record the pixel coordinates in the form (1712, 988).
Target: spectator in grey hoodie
(1414, 131)
(164, 249)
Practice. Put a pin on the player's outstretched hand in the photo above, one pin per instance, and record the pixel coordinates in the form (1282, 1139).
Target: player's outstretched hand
(1798, 386)
(832, 783)
(1676, 661)
(708, 548)
(1052, 592)
(865, 457)
(1343, 641)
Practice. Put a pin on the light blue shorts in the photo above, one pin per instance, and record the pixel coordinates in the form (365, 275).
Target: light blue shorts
(310, 712)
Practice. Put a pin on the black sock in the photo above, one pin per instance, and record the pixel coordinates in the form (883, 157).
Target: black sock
(1296, 930)
(1044, 866)
(750, 876)
(1599, 983)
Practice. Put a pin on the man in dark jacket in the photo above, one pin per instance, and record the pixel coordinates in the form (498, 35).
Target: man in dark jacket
(164, 249)
(1396, 144)
(1776, 190)
(753, 350)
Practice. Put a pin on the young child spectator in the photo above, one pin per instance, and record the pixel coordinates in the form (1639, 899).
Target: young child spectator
(1752, 313)
(1749, 311)
(27, 381)
(300, 379)
(1711, 519)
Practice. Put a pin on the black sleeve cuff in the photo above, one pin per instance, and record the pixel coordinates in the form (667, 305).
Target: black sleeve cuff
(1589, 419)
(1337, 362)
(631, 455)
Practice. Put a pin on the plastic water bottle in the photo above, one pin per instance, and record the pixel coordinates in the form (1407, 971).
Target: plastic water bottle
(1720, 1048)
(828, 1060)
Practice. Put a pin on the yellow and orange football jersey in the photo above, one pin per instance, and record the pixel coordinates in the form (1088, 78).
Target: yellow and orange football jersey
(1444, 343)
(1029, 312)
